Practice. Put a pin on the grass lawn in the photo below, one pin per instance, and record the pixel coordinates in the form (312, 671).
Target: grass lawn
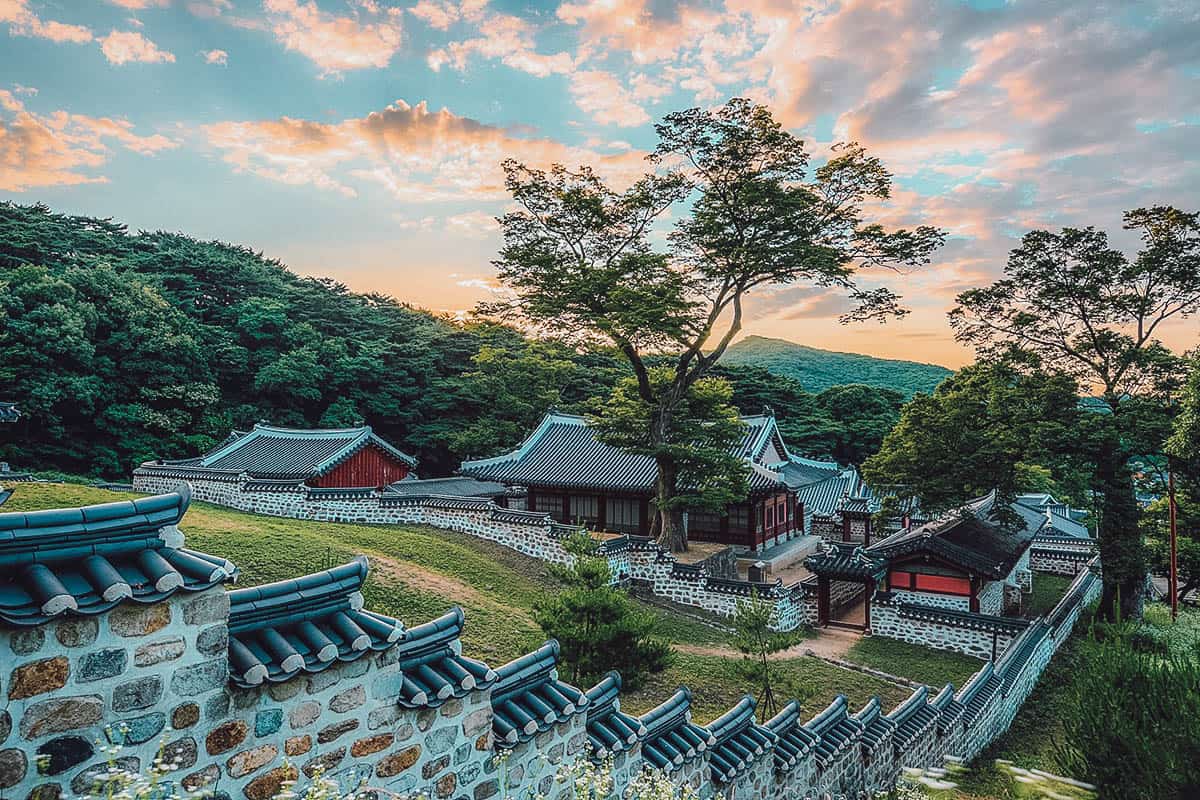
(1047, 591)
(419, 572)
(925, 665)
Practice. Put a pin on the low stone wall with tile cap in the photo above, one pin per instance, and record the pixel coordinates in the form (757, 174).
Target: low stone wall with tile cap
(533, 534)
(155, 677)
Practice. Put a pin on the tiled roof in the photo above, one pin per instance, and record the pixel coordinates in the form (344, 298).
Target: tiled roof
(671, 736)
(528, 697)
(793, 740)
(830, 495)
(977, 691)
(432, 666)
(948, 708)
(306, 624)
(970, 537)
(271, 452)
(846, 561)
(798, 471)
(458, 486)
(876, 727)
(912, 718)
(835, 729)
(609, 729)
(4, 495)
(739, 741)
(563, 452)
(87, 560)
(9, 411)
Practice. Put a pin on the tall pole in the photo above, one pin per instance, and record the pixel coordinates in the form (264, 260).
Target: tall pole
(1173, 581)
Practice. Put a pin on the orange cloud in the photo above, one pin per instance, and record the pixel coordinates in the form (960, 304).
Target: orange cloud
(123, 47)
(606, 99)
(416, 154)
(23, 22)
(366, 39)
(61, 148)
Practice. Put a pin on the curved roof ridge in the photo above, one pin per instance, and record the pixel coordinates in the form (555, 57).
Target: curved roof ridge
(737, 716)
(289, 597)
(528, 697)
(88, 559)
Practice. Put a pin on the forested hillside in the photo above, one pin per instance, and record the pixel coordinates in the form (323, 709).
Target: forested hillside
(817, 369)
(123, 346)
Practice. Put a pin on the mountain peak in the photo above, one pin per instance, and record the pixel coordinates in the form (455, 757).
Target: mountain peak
(819, 369)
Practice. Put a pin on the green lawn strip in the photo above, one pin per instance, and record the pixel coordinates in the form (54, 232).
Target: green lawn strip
(717, 684)
(1029, 742)
(1047, 591)
(922, 664)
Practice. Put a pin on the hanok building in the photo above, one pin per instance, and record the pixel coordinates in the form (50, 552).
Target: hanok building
(962, 561)
(330, 458)
(570, 474)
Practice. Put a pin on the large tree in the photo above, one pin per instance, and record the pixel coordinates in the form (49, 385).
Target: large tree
(579, 260)
(988, 426)
(1074, 304)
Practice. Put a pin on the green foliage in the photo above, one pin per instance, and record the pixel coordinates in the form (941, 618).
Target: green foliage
(1131, 729)
(1070, 303)
(842, 423)
(578, 257)
(120, 347)
(817, 370)
(596, 624)
(757, 642)
(696, 440)
(987, 426)
(1184, 444)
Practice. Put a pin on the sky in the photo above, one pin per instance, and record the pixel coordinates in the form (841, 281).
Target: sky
(361, 139)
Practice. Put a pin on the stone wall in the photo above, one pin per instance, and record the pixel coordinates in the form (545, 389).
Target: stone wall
(972, 634)
(156, 676)
(530, 533)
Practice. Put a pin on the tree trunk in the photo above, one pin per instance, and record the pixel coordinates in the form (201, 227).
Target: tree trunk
(1122, 555)
(669, 520)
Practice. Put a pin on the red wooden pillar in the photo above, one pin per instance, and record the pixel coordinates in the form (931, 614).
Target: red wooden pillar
(974, 594)
(868, 590)
(822, 600)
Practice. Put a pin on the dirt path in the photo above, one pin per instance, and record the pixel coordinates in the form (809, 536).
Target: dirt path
(830, 643)
(435, 582)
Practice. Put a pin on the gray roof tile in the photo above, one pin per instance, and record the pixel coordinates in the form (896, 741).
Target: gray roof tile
(272, 452)
(304, 625)
(87, 560)
(563, 452)
(528, 697)
(671, 737)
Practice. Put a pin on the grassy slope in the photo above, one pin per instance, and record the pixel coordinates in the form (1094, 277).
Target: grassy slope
(922, 664)
(819, 369)
(418, 573)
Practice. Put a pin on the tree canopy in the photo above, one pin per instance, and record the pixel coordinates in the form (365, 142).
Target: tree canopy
(1070, 303)
(578, 255)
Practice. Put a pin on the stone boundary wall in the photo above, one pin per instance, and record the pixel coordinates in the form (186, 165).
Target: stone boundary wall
(155, 678)
(1061, 555)
(530, 533)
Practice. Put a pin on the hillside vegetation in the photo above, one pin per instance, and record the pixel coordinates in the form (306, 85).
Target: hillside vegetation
(120, 347)
(418, 573)
(818, 369)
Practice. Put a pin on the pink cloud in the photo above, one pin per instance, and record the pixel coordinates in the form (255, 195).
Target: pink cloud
(60, 148)
(22, 21)
(606, 99)
(502, 37)
(137, 5)
(124, 47)
(415, 154)
(366, 39)
(219, 57)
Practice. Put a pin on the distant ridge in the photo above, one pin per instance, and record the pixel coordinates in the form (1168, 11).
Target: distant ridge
(818, 369)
